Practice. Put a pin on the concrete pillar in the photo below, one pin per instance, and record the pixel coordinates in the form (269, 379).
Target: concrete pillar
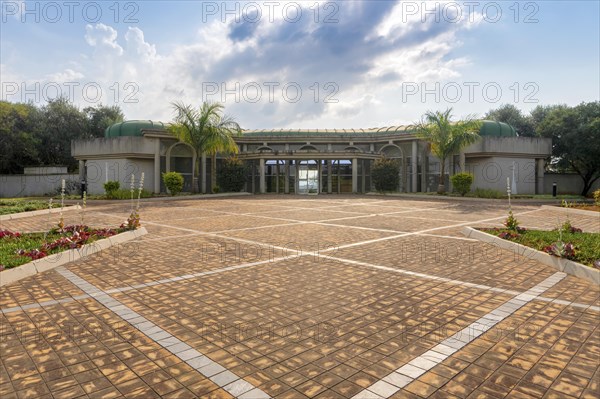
(277, 177)
(157, 166)
(261, 172)
(286, 178)
(81, 170)
(253, 173)
(462, 162)
(414, 167)
(354, 175)
(329, 175)
(363, 179)
(539, 176)
(404, 176)
(319, 175)
(203, 173)
(424, 167)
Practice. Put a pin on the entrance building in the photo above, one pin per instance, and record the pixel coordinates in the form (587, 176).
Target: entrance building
(317, 161)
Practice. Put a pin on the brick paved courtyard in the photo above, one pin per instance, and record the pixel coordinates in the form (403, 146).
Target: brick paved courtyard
(294, 297)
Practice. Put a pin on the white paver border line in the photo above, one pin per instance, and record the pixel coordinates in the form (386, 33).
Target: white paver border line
(412, 370)
(219, 375)
(12, 216)
(52, 261)
(560, 264)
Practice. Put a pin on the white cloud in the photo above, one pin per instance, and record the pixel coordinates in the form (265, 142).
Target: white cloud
(102, 37)
(366, 55)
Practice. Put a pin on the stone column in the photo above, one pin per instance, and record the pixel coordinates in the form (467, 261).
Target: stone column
(261, 171)
(157, 166)
(462, 162)
(286, 178)
(329, 175)
(319, 173)
(404, 176)
(539, 176)
(414, 167)
(203, 173)
(363, 176)
(354, 175)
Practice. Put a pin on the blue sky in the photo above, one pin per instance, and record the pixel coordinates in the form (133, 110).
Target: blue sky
(311, 64)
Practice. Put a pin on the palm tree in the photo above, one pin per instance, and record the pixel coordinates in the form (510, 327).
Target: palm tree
(445, 137)
(207, 130)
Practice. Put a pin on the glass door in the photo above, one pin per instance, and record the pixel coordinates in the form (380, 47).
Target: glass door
(308, 177)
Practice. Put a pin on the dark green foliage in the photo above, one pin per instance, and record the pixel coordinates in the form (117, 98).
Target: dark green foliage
(575, 133)
(33, 135)
(232, 175)
(462, 182)
(174, 182)
(386, 174)
(110, 187)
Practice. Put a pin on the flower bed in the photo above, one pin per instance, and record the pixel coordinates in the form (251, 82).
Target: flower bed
(567, 242)
(17, 249)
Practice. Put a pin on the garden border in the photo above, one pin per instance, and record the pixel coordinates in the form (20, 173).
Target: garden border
(19, 215)
(52, 261)
(564, 265)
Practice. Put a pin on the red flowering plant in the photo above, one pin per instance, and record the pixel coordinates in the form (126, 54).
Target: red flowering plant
(561, 250)
(9, 234)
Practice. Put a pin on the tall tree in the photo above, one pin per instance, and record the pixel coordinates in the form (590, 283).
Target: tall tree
(207, 130)
(18, 137)
(575, 133)
(446, 137)
(61, 122)
(100, 117)
(510, 114)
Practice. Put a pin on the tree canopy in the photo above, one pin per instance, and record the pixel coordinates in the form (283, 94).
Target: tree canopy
(40, 135)
(575, 133)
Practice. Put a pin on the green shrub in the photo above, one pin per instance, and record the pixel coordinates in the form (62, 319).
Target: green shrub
(597, 197)
(123, 194)
(173, 182)
(386, 174)
(232, 176)
(461, 182)
(110, 187)
(487, 193)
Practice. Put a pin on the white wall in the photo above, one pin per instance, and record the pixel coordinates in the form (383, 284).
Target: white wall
(491, 173)
(119, 170)
(566, 183)
(33, 185)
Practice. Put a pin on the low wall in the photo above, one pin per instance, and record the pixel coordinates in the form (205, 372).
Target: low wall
(34, 185)
(566, 183)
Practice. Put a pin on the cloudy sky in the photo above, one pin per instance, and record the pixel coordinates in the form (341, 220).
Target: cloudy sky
(308, 64)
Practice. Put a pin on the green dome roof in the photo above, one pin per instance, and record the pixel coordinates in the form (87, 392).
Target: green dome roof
(498, 129)
(132, 128)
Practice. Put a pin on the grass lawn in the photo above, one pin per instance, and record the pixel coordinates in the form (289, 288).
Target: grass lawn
(8, 206)
(587, 245)
(17, 249)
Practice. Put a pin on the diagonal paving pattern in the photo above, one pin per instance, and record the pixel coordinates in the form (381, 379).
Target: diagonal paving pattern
(397, 323)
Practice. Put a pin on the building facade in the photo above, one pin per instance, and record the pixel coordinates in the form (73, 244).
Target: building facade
(313, 161)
